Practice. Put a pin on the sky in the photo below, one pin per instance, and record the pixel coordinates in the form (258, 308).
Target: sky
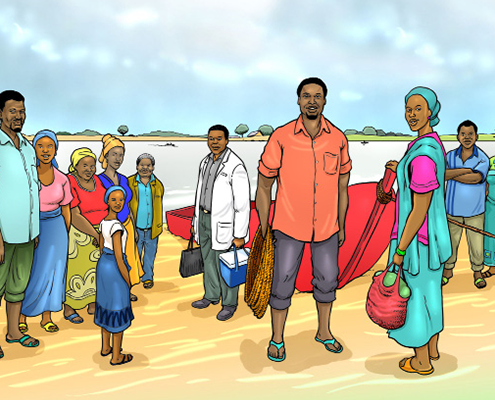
(186, 65)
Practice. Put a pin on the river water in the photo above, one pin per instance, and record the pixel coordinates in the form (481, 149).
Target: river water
(177, 166)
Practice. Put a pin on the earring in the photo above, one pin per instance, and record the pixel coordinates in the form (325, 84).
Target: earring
(429, 117)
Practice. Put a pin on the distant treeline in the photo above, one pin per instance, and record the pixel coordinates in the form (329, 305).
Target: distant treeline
(369, 130)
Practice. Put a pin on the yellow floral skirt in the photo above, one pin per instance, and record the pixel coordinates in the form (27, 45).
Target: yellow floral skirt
(81, 269)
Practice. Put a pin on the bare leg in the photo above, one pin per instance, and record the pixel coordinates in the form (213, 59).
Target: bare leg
(433, 347)
(278, 325)
(324, 333)
(46, 317)
(91, 308)
(421, 360)
(13, 315)
(68, 311)
(117, 356)
(105, 342)
(22, 319)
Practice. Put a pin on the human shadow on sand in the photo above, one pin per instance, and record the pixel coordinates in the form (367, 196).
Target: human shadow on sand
(388, 364)
(212, 310)
(139, 361)
(303, 352)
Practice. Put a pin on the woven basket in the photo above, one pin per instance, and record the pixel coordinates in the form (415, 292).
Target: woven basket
(259, 275)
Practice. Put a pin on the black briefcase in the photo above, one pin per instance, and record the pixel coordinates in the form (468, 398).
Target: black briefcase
(191, 261)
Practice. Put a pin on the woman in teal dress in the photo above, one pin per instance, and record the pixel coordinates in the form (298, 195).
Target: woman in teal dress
(490, 221)
(420, 239)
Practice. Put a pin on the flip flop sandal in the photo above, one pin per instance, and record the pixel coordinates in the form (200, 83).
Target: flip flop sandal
(480, 283)
(50, 327)
(72, 317)
(487, 274)
(434, 358)
(106, 354)
(278, 346)
(407, 367)
(133, 297)
(22, 340)
(445, 280)
(148, 284)
(23, 327)
(127, 358)
(332, 342)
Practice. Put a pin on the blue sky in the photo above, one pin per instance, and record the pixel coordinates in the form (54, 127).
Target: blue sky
(187, 65)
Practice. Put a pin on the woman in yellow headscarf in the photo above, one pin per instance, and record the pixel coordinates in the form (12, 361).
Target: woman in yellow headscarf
(111, 158)
(88, 208)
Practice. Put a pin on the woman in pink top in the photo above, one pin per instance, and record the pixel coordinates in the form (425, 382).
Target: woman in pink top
(45, 292)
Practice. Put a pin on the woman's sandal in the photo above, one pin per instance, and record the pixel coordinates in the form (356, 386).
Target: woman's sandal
(127, 358)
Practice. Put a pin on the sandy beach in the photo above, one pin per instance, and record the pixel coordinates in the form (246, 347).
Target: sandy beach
(184, 353)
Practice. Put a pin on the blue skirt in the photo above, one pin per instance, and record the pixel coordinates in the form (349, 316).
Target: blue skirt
(424, 317)
(46, 287)
(113, 305)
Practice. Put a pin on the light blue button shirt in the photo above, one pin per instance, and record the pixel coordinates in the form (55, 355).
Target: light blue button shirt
(463, 199)
(144, 218)
(19, 191)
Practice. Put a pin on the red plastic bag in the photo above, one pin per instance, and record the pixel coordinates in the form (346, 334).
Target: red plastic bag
(384, 305)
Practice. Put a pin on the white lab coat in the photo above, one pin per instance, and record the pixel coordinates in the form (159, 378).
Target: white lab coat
(231, 202)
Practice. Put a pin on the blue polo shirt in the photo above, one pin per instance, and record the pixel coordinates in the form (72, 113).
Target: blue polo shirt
(463, 199)
(19, 191)
(144, 217)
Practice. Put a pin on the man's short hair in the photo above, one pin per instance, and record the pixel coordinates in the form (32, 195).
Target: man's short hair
(309, 81)
(220, 128)
(7, 95)
(143, 157)
(467, 123)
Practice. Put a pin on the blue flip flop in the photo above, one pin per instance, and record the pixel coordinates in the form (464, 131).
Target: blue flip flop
(278, 346)
(329, 341)
(23, 339)
(72, 316)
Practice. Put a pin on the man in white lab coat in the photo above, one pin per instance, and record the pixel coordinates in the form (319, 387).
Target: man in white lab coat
(221, 217)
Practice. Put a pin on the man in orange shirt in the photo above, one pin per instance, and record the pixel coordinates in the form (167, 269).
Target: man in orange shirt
(309, 158)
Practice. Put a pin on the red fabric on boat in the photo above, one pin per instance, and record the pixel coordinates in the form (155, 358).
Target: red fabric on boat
(368, 227)
(367, 230)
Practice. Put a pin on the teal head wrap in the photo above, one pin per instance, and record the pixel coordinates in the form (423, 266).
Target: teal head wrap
(431, 98)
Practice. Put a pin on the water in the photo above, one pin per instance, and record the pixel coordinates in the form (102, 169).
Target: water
(178, 167)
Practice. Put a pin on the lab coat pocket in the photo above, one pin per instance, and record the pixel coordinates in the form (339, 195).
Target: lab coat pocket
(224, 232)
(331, 162)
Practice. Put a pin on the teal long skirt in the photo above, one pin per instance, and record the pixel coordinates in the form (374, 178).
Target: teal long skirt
(424, 317)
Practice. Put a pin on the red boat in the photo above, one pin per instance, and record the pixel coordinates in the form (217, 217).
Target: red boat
(368, 226)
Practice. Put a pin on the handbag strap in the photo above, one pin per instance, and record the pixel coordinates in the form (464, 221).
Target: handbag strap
(190, 245)
(399, 275)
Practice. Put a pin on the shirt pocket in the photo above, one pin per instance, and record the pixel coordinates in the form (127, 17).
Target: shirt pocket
(224, 232)
(330, 163)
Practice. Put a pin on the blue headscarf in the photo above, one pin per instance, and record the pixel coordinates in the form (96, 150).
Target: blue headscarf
(51, 135)
(431, 98)
(113, 189)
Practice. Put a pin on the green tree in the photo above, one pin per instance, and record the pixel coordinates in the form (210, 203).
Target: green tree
(266, 130)
(122, 129)
(241, 129)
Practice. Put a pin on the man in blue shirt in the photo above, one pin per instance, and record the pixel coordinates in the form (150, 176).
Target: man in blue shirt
(19, 212)
(465, 198)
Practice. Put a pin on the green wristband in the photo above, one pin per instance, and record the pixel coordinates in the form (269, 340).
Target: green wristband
(400, 252)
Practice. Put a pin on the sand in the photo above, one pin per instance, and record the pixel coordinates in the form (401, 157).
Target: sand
(184, 353)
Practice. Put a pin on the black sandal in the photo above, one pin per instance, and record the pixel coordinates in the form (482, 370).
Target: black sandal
(127, 358)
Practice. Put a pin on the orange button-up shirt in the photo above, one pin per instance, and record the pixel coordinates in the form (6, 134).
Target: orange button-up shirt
(307, 172)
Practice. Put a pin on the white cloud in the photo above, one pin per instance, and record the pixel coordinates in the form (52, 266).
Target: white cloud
(77, 53)
(103, 57)
(216, 72)
(348, 95)
(404, 39)
(461, 57)
(132, 18)
(429, 52)
(46, 49)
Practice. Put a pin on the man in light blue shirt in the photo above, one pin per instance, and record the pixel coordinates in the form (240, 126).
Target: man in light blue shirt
(465, 198)
(19, 212)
